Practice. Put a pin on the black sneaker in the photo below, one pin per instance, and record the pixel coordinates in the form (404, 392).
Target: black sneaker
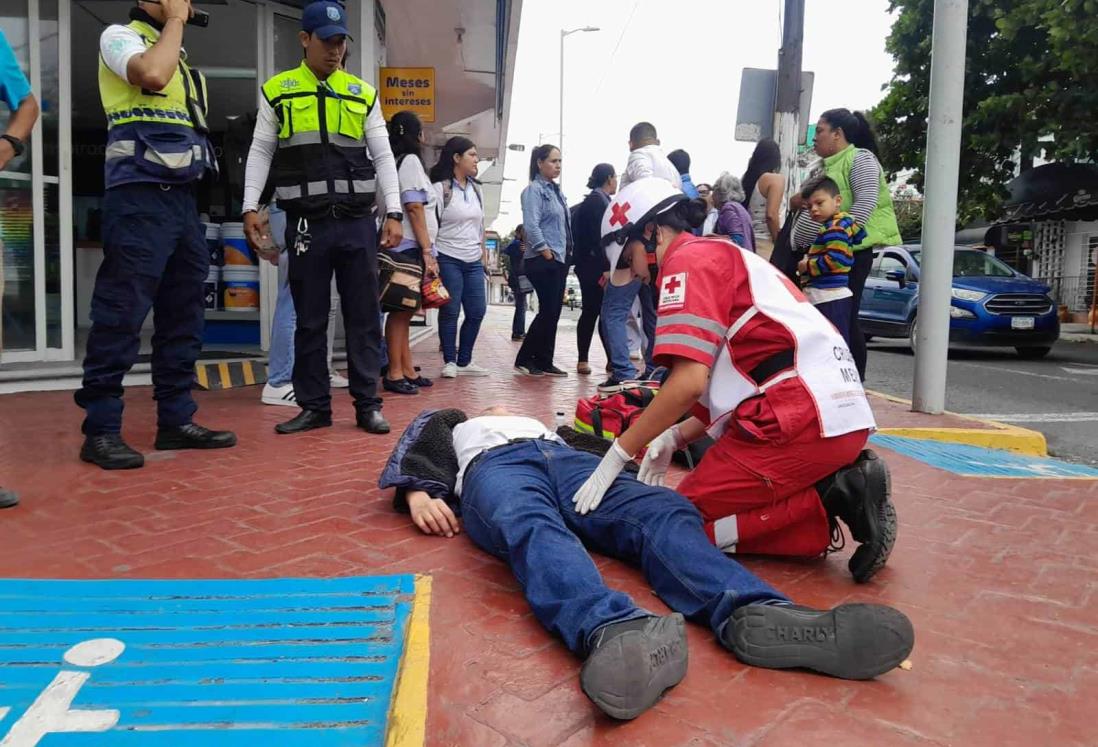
(860, 495)
(631, 664)
(109, 451)
(554, 371)
(610, 386)
(8, 498)
(193, 436)
(529, 370)
(852, 641)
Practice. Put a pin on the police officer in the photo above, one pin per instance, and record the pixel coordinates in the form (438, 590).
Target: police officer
(310, 130)
(154, 247)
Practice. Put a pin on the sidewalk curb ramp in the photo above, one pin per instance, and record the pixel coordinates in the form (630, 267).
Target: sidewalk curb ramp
(990, 434)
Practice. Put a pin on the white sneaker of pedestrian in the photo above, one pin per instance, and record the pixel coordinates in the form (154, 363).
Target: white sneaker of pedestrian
(450, 371)
(338, 381)
(472, 370)
(279, 395)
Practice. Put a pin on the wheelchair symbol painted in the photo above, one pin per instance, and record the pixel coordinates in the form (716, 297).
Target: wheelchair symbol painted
(50, 713)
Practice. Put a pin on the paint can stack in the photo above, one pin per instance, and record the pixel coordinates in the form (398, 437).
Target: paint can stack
(240, 274)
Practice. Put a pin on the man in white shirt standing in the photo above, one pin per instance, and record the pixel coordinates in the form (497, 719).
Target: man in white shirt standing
(627, 294)
(310, 133)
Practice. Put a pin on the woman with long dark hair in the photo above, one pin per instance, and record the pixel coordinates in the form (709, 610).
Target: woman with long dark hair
(460, 245)
(845, 141)
(590, 259)
(548, 230)
(764, 190)
(419, 202)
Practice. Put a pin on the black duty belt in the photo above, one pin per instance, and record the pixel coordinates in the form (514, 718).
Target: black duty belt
(774, 364)
(475, 460)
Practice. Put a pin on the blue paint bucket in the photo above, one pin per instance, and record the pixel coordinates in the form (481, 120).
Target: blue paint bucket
(237, 251)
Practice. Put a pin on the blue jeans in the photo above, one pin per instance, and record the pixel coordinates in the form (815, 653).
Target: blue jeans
(280, 358)
(617, 304)
(517, 505)
(465, 282)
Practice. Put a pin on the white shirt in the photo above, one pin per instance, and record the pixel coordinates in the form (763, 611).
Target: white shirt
(710, 221)
(118, 44)
(487, 431)
(461, 227)
(265, 143)
(650, 161)
(415, 186)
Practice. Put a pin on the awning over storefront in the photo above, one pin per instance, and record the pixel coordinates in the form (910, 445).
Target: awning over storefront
(1055, 191)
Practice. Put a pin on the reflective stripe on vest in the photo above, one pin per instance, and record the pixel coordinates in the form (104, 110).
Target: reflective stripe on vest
(316, 189)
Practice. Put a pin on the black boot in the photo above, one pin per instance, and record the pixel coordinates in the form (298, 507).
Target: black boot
(306, 420)
(109, 451)
(193, 436)
(372, 421)
(632, 663)
(8, 498)
(852, 641)
(860, 495)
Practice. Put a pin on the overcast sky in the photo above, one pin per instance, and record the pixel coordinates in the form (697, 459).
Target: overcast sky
(677, 64)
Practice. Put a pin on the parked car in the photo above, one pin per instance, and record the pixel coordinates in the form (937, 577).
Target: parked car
(993, 304)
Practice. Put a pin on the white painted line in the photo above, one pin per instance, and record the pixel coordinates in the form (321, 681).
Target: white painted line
(1088, 371)
(1000, 369)
(1038, 417)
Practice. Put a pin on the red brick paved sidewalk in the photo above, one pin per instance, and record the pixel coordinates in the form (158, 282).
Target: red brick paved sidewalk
(997, 575)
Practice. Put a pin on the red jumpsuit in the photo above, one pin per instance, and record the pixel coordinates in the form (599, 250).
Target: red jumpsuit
(756, 486)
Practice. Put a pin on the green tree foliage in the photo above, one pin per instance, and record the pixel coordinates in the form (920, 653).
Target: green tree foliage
(1031, 74)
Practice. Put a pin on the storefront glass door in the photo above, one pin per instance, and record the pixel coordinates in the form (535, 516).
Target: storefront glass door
(35, 217)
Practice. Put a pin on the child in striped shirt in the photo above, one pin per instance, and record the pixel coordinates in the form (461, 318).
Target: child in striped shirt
(825, 269)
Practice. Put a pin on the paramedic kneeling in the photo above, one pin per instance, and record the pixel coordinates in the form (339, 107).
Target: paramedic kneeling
(767, 376)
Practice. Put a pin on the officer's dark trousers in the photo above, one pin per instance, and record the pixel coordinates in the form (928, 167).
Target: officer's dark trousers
(154, 257)
(347, 246)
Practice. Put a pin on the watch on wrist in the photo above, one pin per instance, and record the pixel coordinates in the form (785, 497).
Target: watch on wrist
(395, 215)
(16, 144)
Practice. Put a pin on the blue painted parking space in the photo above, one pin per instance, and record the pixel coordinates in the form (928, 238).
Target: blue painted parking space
(975, 461)
(277, 662)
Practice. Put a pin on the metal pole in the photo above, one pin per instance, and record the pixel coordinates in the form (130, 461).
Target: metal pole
(787, 102)
(560, 145)
(943, 152)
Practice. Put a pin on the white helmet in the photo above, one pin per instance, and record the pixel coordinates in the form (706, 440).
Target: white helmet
(631, 209)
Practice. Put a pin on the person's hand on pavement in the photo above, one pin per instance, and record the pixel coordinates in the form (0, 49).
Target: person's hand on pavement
(657, 459)
(432, 515)
(591, 493)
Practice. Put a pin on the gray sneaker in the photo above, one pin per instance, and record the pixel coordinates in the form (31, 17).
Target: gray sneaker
(632, 663)
(852, 641)
(8, 498)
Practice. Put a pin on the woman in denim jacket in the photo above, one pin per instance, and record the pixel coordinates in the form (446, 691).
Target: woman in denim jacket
(548, 230)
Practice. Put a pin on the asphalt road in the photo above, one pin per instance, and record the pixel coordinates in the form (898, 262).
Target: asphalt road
(1057, 396)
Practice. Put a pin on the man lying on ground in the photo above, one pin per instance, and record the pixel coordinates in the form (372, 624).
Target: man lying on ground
(512, 480)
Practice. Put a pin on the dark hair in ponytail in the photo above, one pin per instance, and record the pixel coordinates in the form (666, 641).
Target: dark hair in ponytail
(686, 215)
(855, 126)
(455, 146)
(601, 174)
(539, 153)
(404, 129)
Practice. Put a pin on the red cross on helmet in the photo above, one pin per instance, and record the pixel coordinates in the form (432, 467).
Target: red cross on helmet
(632, 209)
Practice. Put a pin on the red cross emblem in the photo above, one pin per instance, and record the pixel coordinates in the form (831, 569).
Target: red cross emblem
(672, 284)
(619, 217)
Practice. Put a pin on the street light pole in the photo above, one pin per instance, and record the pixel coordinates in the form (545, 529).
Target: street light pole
(560, 131)
(943, 149)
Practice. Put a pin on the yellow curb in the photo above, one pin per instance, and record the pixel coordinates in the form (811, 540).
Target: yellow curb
(408, 711)
(996, 436)
(217, 375)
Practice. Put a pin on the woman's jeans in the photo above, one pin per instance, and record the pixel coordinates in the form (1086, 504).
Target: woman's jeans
(548, 278)
(465, 281)
(518, 323)
(617, 306)
(280, 358)
(592, 308)
(516, 504)
(859, 273)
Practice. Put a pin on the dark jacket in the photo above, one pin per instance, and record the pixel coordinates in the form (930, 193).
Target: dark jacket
(424, 457)
(590, 258)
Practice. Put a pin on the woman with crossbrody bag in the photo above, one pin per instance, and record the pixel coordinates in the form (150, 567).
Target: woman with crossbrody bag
(419, 200)
(460, 246)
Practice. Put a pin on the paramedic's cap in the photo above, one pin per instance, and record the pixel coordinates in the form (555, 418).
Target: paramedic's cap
(325, 19)
(631, 209)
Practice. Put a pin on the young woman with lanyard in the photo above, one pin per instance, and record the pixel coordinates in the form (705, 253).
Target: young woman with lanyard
(760, 370)
(460, 245)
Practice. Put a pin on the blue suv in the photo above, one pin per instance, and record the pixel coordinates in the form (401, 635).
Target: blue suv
(993, 305)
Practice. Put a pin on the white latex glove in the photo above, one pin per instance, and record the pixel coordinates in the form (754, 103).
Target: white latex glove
(658, 457)
(591, 493)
